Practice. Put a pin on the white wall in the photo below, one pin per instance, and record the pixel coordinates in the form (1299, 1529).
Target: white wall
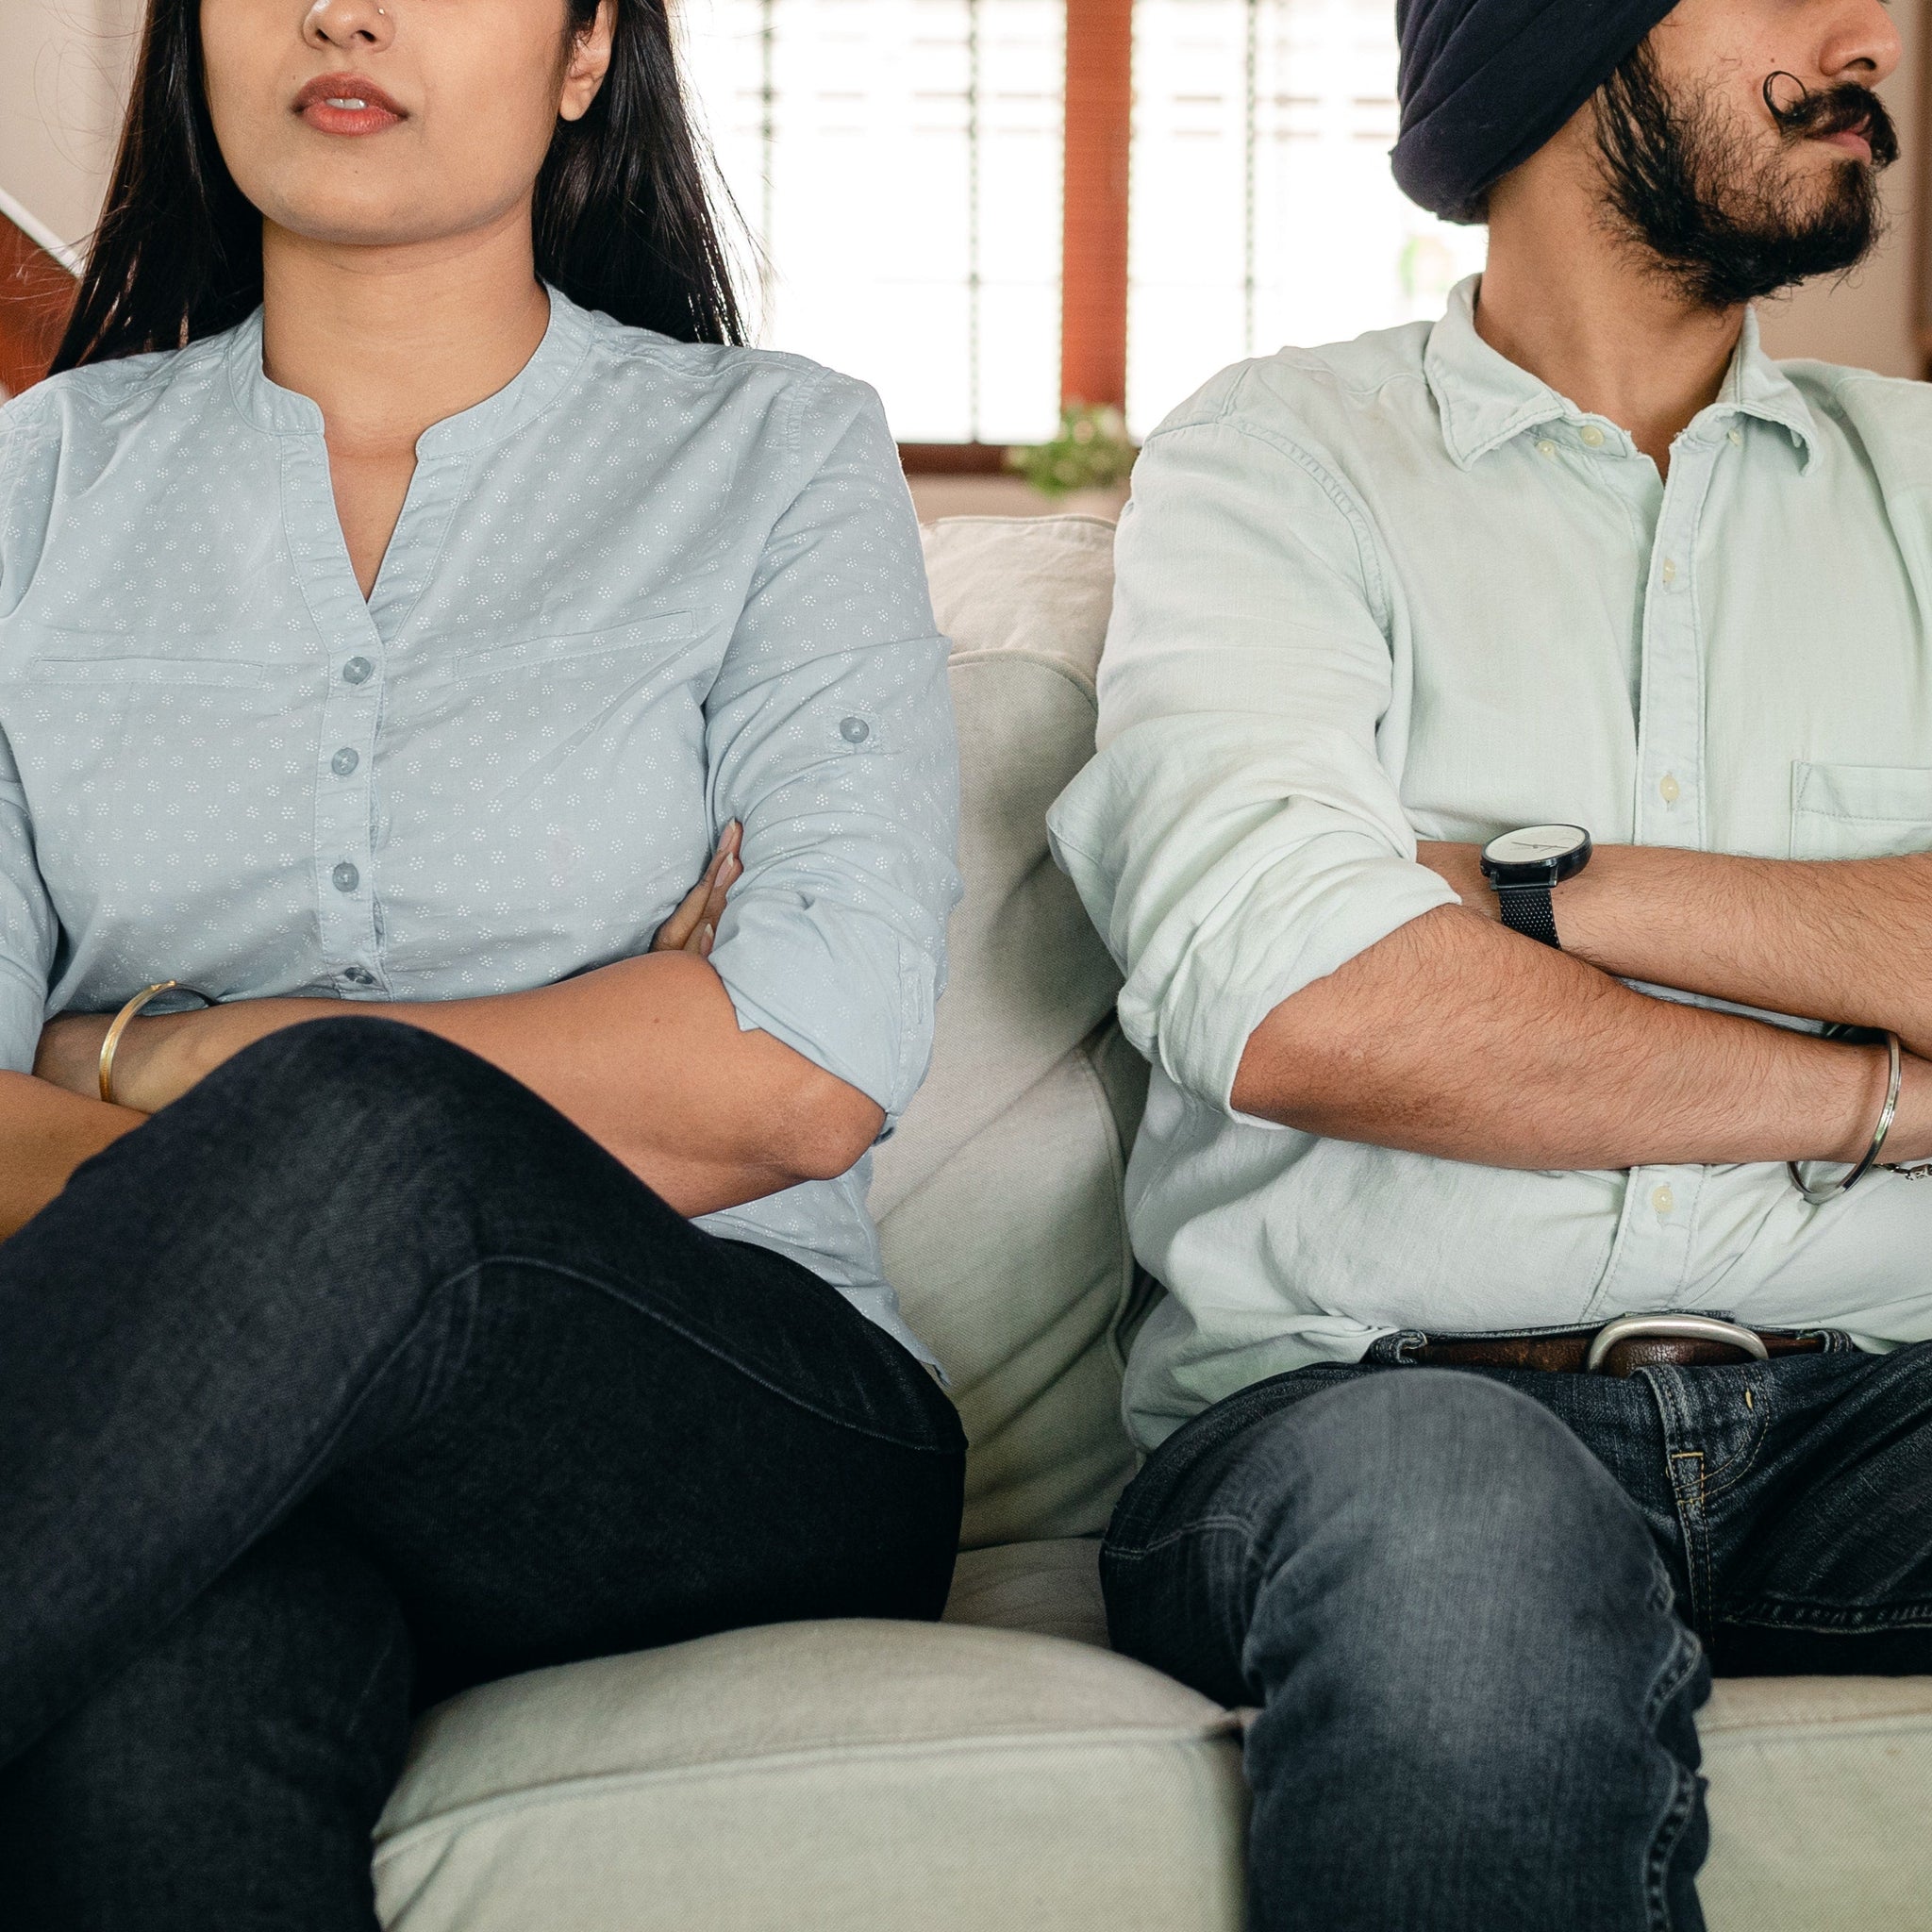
(63, 64)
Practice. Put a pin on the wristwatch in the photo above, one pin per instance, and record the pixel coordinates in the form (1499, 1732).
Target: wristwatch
(1524, 865)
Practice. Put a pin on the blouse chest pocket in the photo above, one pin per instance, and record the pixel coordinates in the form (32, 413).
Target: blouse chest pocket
(124, 662)
(121, 673)
(572, 651)
(1860, 811)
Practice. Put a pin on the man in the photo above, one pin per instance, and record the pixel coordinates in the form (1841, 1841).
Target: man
(1577, 559)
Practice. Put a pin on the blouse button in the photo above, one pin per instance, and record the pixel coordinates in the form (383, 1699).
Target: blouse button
(344, 761)
(854, 730)
(346, 877)
(358, 671)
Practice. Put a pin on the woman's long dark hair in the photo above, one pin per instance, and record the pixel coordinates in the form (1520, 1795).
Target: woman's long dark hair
(623, 219)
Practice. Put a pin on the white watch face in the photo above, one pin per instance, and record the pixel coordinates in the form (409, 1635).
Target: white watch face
(1534, 844)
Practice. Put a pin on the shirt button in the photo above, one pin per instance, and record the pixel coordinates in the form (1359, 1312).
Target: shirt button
(1592, 436)
(346, 877)
(1662, 1200)
(1544, 447)
(359, 976)
(358, 671)
(1669, 790)
(344, 761)
(1670, 571)
(854, 730)
(1735, 435)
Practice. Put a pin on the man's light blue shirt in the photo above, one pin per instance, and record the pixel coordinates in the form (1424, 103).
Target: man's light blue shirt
(1400, 589)
(648, 588)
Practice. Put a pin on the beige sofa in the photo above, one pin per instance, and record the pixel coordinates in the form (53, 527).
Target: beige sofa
(1004, 1770)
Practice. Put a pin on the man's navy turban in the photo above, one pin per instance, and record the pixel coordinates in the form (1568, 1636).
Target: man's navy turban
(1485, 83)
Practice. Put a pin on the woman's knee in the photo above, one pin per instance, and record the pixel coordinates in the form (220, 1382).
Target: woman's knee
(353, 1064)
(352, 1119)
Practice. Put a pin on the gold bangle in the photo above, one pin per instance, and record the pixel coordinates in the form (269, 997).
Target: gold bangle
(127, 1013)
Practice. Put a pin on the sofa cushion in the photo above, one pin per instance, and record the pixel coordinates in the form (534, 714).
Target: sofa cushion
(1818, 1794)
(999, 1197)
(1004, 1768)
(1817, 1784)
(851, 1777)
(1050, 1589)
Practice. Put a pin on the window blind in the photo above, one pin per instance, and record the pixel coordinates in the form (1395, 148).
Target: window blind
(1263, 210)
(898, 166)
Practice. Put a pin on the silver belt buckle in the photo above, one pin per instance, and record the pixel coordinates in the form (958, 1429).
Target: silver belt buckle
(1674, 1328)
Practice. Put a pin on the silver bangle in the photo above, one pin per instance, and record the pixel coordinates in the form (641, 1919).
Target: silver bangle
(1894, 1080)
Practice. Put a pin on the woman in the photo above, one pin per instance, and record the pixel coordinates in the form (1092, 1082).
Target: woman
(406, 585)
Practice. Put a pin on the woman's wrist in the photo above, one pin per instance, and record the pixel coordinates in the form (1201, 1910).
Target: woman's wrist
(152, 1063)
(159, 1059)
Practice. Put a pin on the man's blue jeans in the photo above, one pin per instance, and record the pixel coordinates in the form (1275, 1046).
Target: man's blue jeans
(1478, 1610)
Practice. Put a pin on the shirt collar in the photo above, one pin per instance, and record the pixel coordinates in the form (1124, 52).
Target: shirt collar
(1485, 400)
(530, 391)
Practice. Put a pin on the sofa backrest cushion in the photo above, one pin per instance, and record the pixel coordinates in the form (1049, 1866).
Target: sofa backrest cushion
(999, 1197)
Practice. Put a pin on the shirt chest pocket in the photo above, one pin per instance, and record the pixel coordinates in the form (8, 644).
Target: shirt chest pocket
(1860, 811)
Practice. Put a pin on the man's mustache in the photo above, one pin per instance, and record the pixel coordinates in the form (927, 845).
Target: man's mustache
(1847, 108)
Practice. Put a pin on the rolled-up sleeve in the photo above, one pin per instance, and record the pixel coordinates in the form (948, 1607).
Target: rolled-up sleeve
(830, 733)
(1238, 836)
(27, 926)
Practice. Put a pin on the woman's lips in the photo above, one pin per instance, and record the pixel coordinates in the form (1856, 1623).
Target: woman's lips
(346, 103)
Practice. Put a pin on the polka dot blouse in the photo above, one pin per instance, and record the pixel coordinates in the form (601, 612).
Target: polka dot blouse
(646, 589)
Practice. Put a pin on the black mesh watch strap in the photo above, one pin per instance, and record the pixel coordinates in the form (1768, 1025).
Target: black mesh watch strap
(1526, 909)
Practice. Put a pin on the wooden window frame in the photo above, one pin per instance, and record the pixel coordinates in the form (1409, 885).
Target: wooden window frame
(1093, 230)
(1094, 252)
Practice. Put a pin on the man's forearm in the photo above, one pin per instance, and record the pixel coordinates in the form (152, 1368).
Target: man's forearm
(1455, 1036)
(1844, 940)
(45, 1135)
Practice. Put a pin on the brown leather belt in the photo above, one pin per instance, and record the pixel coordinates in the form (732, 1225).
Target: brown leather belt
(1639, 1342)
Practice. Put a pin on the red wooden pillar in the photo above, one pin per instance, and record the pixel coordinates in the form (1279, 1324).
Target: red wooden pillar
(36, 293)
(1093, 299)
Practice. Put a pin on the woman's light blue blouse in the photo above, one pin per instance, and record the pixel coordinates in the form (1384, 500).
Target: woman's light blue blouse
(646, 589)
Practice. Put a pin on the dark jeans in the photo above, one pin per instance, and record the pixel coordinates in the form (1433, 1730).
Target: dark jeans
(359, 1375)
(1477, 1611)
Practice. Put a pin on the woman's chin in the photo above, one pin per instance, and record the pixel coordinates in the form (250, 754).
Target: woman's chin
(333, 222)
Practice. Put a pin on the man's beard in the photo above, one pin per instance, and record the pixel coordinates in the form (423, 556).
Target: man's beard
(1724, 223)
